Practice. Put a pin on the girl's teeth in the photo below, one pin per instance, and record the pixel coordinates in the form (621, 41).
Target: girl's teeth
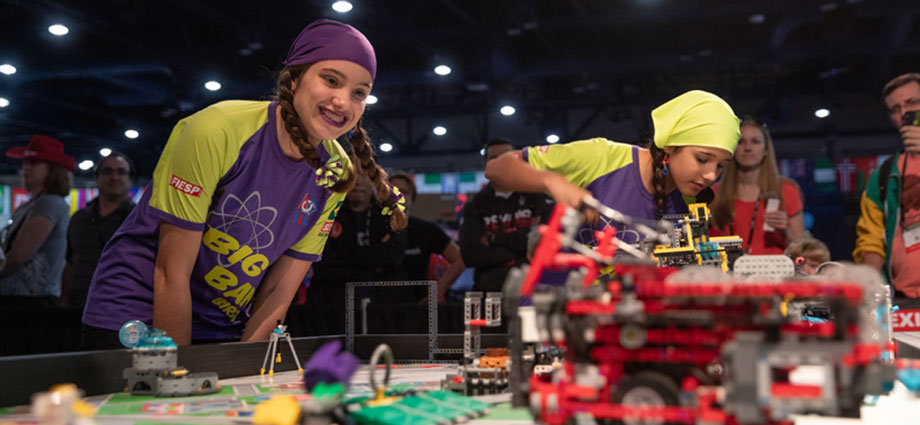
(334, 117)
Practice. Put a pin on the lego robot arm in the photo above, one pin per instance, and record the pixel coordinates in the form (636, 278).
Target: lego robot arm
(271, 301)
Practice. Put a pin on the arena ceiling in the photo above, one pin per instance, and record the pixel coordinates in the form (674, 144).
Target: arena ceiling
(575, 68)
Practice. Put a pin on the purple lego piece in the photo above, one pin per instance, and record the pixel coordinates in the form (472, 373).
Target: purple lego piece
(329, 366)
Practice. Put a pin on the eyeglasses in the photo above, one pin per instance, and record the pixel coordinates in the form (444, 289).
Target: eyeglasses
(108, 171)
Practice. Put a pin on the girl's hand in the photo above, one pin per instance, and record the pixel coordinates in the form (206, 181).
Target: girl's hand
(566, 193)
(778, 219)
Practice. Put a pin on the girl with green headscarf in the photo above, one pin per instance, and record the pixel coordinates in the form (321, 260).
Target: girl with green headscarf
(695, 135)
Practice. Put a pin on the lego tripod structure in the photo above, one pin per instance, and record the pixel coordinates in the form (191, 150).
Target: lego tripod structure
(279, 332)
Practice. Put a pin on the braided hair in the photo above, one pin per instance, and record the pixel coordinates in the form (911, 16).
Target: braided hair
(363, 155)
(362, 151)
(658, 156)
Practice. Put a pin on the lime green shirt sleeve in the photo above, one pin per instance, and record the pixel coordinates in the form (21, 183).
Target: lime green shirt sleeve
(583, 161)
(200, 150)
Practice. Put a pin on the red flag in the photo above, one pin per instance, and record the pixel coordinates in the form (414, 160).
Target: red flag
(847, 177)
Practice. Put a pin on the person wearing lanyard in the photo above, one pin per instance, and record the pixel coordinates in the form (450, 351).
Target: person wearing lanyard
(753, 200)
(888, 230)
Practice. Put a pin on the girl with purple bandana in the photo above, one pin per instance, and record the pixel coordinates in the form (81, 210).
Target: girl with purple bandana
(242, 201)
(695, 133)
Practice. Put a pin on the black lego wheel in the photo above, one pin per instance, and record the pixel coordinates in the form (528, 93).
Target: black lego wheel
(646, 388)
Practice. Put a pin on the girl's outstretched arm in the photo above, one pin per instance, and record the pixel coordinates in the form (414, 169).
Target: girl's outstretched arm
(510, 171)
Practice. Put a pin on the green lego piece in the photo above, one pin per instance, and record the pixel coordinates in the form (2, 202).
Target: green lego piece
(434, 407)
(430, 408)
(473, 406)
(323, 390)
(393, 415)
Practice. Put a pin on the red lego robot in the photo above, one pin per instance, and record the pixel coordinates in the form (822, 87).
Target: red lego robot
(650, 345)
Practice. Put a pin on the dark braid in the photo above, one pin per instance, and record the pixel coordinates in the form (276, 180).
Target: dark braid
(363, 157)
(292, 124)
(289, 115)
(658, 156)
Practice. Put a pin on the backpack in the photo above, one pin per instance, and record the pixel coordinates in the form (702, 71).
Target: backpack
(883, 174)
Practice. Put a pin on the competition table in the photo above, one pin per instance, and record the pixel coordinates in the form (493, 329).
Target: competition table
(99, 374)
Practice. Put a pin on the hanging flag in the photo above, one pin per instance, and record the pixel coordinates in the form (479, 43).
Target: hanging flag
(825, 177)
(864, 166)
(847, 176)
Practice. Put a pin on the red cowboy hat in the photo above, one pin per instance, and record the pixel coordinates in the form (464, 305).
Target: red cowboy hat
(44, 148)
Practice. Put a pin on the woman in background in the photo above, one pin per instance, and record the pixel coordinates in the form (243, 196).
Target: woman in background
(753, 200)
(36, 238)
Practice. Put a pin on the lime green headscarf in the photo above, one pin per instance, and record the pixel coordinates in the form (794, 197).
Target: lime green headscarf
(696, 118)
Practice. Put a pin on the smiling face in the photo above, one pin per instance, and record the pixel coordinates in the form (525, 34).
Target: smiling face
(752, 147)
(694, 168)
(329, 98)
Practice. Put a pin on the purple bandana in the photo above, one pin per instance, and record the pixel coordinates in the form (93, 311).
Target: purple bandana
(326, 39)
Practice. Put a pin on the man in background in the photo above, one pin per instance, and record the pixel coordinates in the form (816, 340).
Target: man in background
(92, 226)
(494, 227)
(888, 230)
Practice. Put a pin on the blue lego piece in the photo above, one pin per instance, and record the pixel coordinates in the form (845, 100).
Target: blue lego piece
(910, 378)
(708, 250)
(156, 338)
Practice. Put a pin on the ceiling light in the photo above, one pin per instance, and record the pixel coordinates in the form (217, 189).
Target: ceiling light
(386, 147)
(552, 138)
(439, 131)
(131, 134)
(58, 30)
(7, 69)
(442, 70)
(4, 102)
(507, 110)
(105, 151)
(86, 164)
(212, 85)
(342, 6)
(371, 99)
(756, 18)
(822, 113)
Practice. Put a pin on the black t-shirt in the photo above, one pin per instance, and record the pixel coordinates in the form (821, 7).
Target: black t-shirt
(493, 233)
(425, 238)
(86, 236)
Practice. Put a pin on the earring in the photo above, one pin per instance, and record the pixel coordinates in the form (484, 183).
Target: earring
(664, 166)
(351, 133)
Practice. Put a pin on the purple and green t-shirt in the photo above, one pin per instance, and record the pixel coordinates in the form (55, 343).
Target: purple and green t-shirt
(223, 173)
(610, 171)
